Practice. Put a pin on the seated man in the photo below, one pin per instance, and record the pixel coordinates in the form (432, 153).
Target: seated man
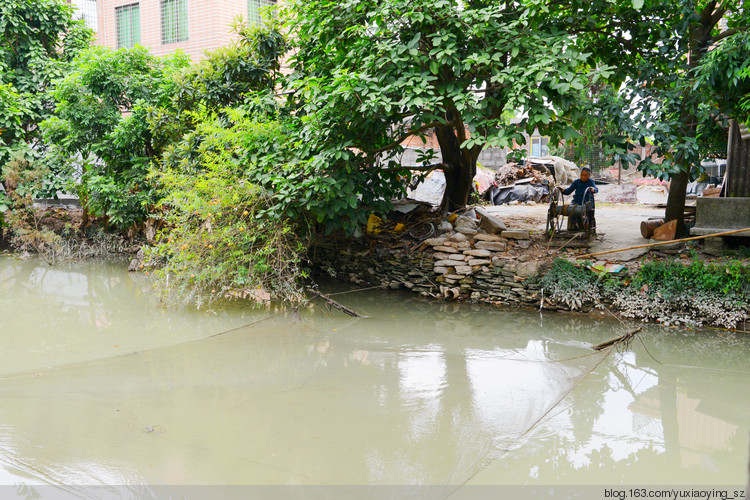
(580, 186)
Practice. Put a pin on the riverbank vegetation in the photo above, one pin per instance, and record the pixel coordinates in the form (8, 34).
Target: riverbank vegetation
(224, 169)
(688, 293)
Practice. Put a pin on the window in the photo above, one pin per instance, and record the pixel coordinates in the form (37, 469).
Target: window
(174, 21)
(255, 8)
(128, 21)
(539, 147)
(86, 10)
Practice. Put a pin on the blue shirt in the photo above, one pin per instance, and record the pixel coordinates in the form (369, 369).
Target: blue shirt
(580, 188)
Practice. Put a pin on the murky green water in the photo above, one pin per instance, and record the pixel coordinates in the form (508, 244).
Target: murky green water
(98, 385)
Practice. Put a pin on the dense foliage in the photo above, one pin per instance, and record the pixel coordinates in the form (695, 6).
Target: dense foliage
(371, 74)
(732, 278)
(101, 139)
(660, 51)
(38, 41)
(219, 238)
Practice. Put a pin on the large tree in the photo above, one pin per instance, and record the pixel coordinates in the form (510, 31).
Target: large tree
(371, 74)
(659, 51)
(687, 108)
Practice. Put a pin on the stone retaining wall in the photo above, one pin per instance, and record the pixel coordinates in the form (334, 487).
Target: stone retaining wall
(465, 262)
(415, 271)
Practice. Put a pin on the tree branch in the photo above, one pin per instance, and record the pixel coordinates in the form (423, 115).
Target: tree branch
(728, 33)
(406, 135)
(418, 168)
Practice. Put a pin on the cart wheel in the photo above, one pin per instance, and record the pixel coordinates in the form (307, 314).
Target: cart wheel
(554, 222)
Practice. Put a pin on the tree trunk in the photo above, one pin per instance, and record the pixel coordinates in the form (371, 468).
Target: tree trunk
(676, 201)
(460, 169)
(700, 38)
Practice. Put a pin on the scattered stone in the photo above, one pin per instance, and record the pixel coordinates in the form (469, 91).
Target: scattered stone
(479, 262)
(524, 243)
(491, 245)
(458, 237)
(466, 225)
(440, 270)
(492, 224)
(465, 222)
(487, 237)
(516, 234)
(445, 249)
(408, 284)
(524, 258)
(478, 253)
(445, 227)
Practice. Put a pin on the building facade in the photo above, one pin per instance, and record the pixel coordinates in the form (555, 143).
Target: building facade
(163, 26)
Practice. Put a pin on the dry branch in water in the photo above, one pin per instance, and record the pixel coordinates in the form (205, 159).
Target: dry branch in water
(622, 338)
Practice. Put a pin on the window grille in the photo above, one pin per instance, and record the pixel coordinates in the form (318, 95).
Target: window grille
(128, 25)
(86, 10)
(174, 21)
(255, 8)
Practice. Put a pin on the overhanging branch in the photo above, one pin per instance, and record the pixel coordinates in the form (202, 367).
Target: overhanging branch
(406, 135)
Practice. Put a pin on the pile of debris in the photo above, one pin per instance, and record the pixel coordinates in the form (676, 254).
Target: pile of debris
(467, 246)
(513, 172)
(516, 183)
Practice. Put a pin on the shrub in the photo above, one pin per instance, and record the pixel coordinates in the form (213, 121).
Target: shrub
(569, 284)
(218, 238)
(26, 179)
(673, 293)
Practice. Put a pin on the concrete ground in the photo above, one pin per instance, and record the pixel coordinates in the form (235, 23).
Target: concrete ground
(618, 226)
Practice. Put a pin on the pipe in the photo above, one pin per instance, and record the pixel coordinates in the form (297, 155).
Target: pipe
(694, 238)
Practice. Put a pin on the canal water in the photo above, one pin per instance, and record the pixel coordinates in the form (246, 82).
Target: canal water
(100, 385)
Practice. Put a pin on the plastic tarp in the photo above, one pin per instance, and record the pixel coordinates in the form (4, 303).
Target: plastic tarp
(519, 193)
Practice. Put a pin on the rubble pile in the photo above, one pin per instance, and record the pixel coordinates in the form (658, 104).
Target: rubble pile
(467, 249)
(513, 172)
(520, 183)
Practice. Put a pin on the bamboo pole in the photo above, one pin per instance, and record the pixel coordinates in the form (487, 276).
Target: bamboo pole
(694, 238)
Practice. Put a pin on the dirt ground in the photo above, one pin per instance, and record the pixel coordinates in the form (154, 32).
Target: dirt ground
(618, 226)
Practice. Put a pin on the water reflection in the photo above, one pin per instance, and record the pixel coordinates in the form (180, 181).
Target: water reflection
(78, 311)
(418, 393)
(673, 413)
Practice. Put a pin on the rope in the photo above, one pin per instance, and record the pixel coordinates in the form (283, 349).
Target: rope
(357, 290)
(251, 324)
